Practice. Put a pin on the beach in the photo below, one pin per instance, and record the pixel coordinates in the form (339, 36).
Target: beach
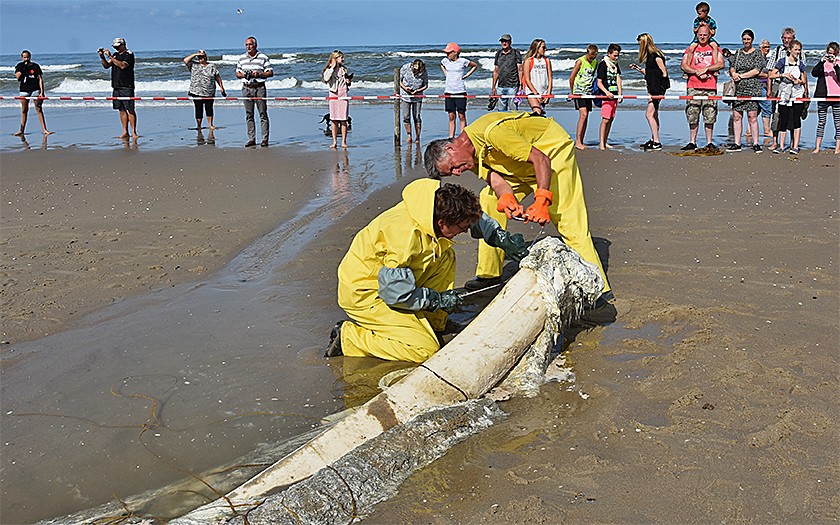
(166, 307)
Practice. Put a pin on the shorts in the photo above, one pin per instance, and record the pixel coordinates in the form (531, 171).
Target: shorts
(127, 105)
(35, 93)
(583, 103)
(693, 108)
(608, 108)
(457, 102)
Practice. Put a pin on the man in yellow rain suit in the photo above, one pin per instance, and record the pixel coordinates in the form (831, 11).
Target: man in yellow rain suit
(518, 154)
(395, 282)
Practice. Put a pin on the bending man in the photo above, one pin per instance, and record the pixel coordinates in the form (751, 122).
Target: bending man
(517, 155)
(395, 282)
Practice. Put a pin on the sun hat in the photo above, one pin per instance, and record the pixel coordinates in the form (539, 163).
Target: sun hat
(452, 46)
(505, 38)
(119, 41)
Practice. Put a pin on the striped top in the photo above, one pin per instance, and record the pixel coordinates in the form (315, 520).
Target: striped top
(259, 62)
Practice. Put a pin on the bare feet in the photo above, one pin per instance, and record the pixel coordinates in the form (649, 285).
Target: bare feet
(332, 146)
(124, 136)
(48, 132)
(580, 146)
(18, 134)
(604, 147)
(816, 150)
(417, 140)
(343, 146)
(408, 140)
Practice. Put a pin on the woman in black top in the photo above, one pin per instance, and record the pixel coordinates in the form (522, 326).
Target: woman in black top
(656, 78)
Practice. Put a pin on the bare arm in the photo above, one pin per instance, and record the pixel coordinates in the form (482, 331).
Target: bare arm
(661, 64)
(495, 80)
(473, 67)
(189, 59)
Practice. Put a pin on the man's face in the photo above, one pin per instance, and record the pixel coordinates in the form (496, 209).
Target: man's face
(451, 230)
(251, 46)
(505, 44)
(787, 38)
(456, 161)
(703, 35)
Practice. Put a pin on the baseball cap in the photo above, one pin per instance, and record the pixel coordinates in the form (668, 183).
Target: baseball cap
(451, 46)
(506, 37)
(202, 53)
(119, 41)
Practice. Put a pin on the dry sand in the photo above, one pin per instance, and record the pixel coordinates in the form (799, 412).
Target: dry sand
(712, 398)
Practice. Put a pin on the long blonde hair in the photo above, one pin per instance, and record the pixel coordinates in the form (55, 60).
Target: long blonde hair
(535, 46)
(647, 47)
(334, 55)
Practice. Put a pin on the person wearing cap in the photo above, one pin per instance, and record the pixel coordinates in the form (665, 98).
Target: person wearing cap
(121, 64)
(507, 73)
(453, 67)
(203, 79)
(254, 68)
(517, 155)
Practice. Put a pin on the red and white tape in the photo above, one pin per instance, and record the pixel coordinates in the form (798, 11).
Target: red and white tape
(395, 97)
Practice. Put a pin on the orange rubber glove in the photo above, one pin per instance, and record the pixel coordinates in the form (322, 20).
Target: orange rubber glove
(538, 212)
(509, 205)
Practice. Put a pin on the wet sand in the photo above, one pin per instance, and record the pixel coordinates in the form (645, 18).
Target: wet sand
(715, 388)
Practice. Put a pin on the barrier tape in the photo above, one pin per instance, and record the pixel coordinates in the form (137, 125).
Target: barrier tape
(397, 97)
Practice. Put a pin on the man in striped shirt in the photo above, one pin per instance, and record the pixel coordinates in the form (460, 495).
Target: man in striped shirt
(253, 68)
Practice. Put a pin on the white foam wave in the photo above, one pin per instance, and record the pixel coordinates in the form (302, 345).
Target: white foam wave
(54, 67)
(563, 64)
(487, 63)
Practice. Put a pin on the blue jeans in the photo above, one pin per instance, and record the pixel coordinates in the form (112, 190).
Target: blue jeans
(766, 107)
(504, 103)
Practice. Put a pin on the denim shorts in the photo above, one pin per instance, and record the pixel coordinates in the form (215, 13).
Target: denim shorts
(36, 93)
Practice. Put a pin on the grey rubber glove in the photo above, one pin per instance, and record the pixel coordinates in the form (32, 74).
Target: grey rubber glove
(513, 244)
(446, 301)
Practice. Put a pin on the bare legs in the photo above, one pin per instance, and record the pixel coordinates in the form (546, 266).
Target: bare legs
(335, 125)
(583, 120)
(128, 117)
(606, 125)
(652, 116)
(24, 115)
(462, 117)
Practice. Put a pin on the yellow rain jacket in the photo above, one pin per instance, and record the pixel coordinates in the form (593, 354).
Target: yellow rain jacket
(397, 256)
(502, 144)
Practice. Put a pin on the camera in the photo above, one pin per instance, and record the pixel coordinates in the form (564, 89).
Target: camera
(830, 58)
(101, 51)
(348, 76)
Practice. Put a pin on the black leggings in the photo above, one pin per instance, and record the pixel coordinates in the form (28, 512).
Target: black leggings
(202, 106)
(790, 117)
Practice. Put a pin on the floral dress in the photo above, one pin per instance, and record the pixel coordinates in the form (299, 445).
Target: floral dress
(748, 87)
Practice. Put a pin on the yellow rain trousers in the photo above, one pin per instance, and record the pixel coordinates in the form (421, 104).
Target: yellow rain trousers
(401, 237)
(502, 144)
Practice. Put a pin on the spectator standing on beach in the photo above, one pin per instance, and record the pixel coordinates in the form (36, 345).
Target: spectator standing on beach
(507, 73)
(121, 65)
(453, 67)
(701, 65)
(657, 83)
(746, 66)
(765, 106)
(580, 83)
(608, 77)
(793, 81)
(338, 79)
(536, 75)
(414, 80)
(517, 155)
(788, 36)
(203, 79)
(254, 68)
(827, 73)
(31, 80)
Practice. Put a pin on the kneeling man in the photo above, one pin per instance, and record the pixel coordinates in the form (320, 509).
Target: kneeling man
(396, 280)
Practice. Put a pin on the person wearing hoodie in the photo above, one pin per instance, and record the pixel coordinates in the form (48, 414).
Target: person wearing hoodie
(395, 282)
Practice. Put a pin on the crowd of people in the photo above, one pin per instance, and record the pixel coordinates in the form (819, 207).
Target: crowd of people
(760, 72)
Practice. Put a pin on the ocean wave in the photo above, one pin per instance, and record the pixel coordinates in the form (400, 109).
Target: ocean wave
(54, 67)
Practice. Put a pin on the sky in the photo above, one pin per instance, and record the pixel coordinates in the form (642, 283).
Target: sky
(72, 26)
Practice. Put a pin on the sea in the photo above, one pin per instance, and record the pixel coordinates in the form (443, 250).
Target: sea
(297, 71)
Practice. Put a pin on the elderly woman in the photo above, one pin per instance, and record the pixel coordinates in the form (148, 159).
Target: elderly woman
(414, 80)
(746, 66)
(203, 79)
